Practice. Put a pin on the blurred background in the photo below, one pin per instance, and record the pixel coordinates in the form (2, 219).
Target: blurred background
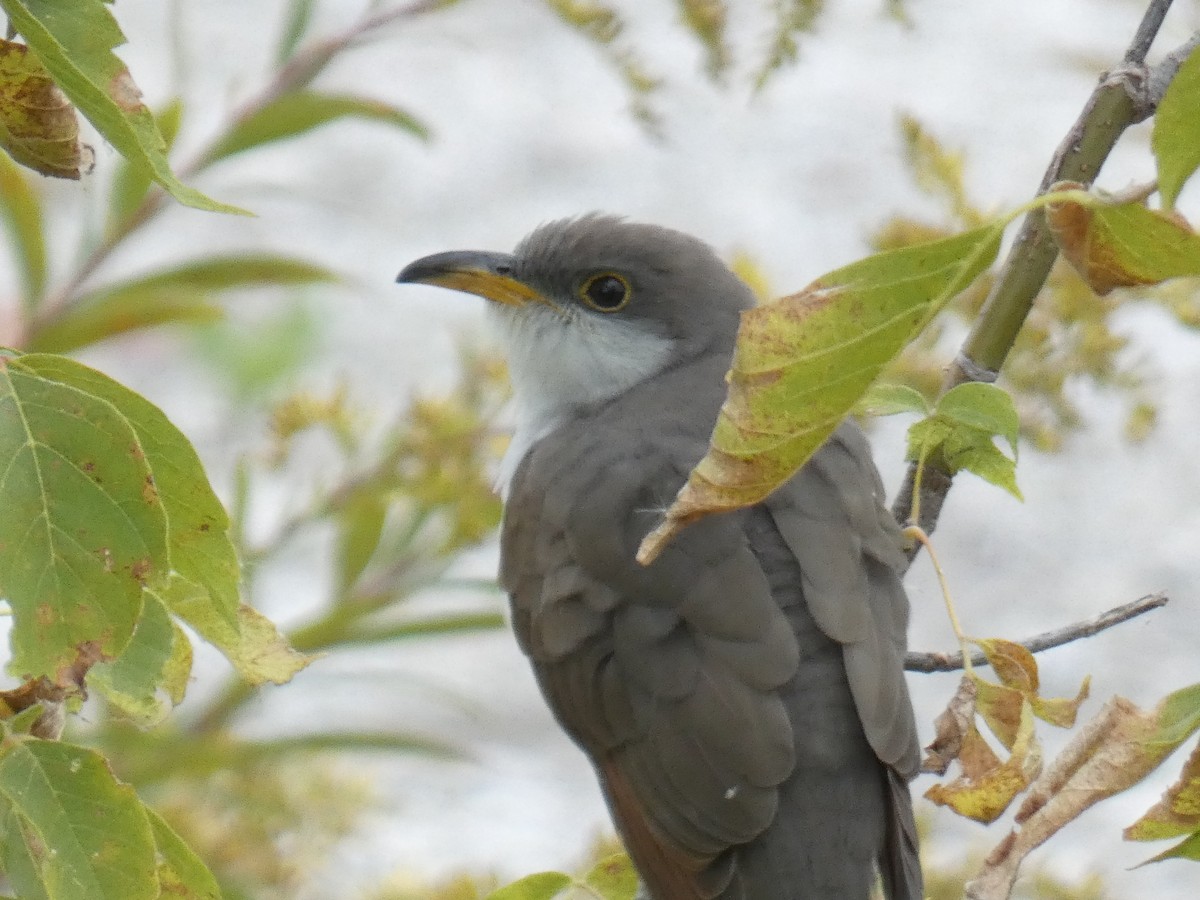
(350, 424)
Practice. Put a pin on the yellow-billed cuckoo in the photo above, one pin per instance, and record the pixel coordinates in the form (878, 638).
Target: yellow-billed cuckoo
(742, 699)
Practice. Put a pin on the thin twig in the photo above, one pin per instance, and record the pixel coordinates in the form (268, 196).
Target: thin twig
(1125, 96)
(915, 661)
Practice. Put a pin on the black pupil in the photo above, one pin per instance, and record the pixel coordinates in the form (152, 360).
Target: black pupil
(606, 292)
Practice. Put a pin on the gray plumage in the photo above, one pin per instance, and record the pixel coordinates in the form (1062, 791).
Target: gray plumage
(742, 699)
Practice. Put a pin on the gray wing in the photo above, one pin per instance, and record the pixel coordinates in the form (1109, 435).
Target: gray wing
(694, 684)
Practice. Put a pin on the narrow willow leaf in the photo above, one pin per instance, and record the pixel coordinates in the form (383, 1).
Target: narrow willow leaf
(38, 127)
(21, 212)
(707, 20)
(84, 526)
(1125, 245)
(299, 15)
(175, 295)
(182, 875)
(541, 886)
(75, 44)
(1176, 136)
(361, 523)
(296, 112)
(801, 363)
(131, 183)
(87, 835)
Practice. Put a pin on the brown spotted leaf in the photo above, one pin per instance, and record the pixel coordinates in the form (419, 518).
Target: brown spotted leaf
(802, 362)
(1123, 245)
(38, 126)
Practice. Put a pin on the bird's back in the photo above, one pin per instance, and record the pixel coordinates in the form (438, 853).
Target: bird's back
(745, 753)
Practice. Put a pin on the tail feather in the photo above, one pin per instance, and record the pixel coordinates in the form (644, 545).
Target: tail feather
(900, 864)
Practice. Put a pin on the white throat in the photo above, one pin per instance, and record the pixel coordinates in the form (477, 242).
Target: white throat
(561, 366)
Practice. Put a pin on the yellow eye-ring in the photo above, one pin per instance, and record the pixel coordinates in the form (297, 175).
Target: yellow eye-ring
(607, 292)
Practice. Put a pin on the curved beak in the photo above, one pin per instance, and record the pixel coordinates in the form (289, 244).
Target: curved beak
(487, 275)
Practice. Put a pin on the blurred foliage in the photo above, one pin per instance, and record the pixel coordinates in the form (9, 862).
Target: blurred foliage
(1071, 337)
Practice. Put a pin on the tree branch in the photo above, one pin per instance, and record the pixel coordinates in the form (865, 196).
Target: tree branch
(915, 661)
(1125, 96)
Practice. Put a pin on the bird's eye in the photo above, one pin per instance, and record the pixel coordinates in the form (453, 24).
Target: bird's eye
(605, 293)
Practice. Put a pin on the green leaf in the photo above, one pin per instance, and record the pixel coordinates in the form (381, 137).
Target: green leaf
(1176, 136)
(296, 112)
(613, 878)
(982, 406)
(197, 524)
(176, 295)
(361, 523)
(961, 428)
(801, 363)
(86, 835)
(888, 399)
(131, 682)
(1188, 848)
(181, 873)
(38, 127)
(21, 210)
(130, 182)
(540, 886)
(75, 41)
(299, 15)
(1123, 245)
(84, 527)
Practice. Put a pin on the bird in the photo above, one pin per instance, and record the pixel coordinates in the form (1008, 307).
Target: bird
(742, 698)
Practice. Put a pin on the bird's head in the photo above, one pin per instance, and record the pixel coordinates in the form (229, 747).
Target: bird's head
(591, 306)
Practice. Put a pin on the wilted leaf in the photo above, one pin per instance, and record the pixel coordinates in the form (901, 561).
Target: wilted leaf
(1109, 754)
(987, 785)
(59, 794)
(1003, 709)
(296, 112)
(181, 873)
(180, 294)
(1123, 245)
(75, 45)
(21, 211)
(38, 127)
(802, 362)
(613, 878)
(540, 886)
(1176, 136)
(951, 727)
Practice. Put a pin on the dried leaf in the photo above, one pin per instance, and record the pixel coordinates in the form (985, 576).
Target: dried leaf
(38, 126)
(951, 727)
(988, 785)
